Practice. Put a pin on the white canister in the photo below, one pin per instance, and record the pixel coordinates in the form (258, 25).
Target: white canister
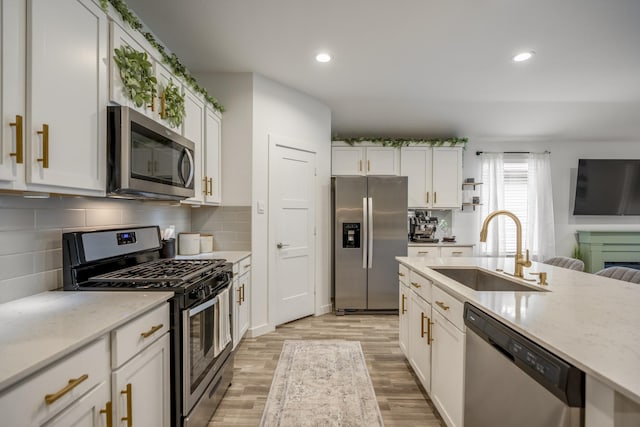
(189, 243)
(206, 243)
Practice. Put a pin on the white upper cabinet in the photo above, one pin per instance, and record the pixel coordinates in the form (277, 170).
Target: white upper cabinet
(193, 130)
(434, 175)
(364, 160)
(212, 157)
(66, 96)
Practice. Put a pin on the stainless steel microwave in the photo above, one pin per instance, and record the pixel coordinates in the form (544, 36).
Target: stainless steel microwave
(146, 159)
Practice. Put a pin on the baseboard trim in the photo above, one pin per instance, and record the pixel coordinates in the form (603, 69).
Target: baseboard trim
(260, 330)
(324, 309)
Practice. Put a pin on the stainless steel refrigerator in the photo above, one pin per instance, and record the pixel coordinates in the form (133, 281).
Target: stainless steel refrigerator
(370, 230)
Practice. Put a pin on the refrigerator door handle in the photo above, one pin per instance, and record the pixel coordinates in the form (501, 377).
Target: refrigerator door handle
(370, 232)
(364, 232)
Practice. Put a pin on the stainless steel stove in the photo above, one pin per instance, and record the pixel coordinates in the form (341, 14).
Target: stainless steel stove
(128, 259)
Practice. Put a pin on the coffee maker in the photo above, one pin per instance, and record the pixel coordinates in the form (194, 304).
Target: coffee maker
(422, 227)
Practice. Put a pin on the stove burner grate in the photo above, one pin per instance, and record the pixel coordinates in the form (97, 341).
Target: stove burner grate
(161, 273)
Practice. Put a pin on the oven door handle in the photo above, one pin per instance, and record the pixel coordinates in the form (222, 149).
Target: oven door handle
(203, 306)
(186, 153)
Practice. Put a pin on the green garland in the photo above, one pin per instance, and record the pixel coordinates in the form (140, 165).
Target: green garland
(173, 105)
(403, 142)
(172, 60)
(136, 73)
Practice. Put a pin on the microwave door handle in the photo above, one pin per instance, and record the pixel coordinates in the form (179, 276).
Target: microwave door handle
(186, 153)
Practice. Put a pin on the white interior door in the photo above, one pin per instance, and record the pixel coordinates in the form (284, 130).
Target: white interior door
(291, 226)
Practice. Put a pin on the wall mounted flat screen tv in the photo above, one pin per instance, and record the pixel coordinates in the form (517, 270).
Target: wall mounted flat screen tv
(607, 187)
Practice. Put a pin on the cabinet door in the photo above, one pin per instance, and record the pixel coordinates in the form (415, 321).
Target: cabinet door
(404, 314)
(164, 77)
(456, 251)
(447, 177)
(66, 87)
(415, 164)
(193, 130)
(448, 370)
(347, 161)
(419, 345)
(211, 156)
(244, 286)
(236, 301)
(12, 85)
(142, 386)
(88, 411)
(383, 161)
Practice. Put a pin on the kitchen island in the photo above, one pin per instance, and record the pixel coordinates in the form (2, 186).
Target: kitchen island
(590, 321)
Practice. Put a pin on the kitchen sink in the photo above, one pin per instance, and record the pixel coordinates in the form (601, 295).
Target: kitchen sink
(481, 280)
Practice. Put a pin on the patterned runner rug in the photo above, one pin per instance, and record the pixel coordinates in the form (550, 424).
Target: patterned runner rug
(321, 383)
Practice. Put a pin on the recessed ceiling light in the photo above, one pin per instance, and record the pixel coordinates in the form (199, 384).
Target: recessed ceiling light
(523, 56)
(323, 57)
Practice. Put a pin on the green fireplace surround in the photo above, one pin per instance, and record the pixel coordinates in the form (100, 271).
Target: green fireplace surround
(599, 247)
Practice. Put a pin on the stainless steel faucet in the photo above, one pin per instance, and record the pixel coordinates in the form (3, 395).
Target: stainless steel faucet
(520, 261)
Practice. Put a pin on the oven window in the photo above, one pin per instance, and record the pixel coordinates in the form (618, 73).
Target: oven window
(156, 158)
(203, 343)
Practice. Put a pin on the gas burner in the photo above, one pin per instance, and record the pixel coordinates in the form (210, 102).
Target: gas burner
(168, 271)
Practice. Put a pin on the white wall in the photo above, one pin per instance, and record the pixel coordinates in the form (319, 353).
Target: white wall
(31, 234)
(235, 93)
(280, 110)
(564, 164)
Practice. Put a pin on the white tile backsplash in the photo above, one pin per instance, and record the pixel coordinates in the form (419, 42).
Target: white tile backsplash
(31, 234)
(230, 226)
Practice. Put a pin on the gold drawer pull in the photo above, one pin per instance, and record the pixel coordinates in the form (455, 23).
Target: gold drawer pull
(442, 305)
(242, 293)
(427, 197)
(435, 197)
(403, 309)
(429, 337)
(456, 253)
(73, 383)
(129, 417)
(151, 331)
(401, 274)
(417, 285)
(205, 191)
(19, 153)
(239, 296)
(360, 167)
(368, 165)
(109, 413)
(246, 266)
(45, 146)
(422, 317)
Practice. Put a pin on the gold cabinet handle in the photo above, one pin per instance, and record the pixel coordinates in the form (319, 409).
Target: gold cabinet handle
(442, 305)
(246, 266)
(360, 165)
(429, 337)
(163, 106)
(368, 165)
(19, 153)
(417, 285)
(129, 417)
(239, 296)
(435, 197)
(45, 146)
(456, 253)
(427, 197)
(423, 252)
(211, 186)
(242, 293)
(109, 413)
(422, 317)
(151, 331)
(400, 274)
(403, 309)
(73, 383)
(204, 181)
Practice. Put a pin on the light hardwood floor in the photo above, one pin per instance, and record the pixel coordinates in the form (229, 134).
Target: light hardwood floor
(402, 400)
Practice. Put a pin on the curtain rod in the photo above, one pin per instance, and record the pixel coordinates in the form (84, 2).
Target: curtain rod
(511, 152)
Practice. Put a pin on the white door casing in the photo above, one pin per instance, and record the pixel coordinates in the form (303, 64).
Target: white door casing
(291, 231)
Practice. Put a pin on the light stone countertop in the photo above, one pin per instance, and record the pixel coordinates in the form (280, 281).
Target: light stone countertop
(440, 244)
(230, 256)
(591, 321)
(45, 327)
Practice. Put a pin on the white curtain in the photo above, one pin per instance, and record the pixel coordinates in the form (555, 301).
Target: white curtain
(540, 233)
(493, 199)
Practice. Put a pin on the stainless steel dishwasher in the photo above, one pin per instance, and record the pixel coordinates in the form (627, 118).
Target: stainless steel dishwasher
(512, 381)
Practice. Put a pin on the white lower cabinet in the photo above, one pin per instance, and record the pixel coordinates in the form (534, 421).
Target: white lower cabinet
(241, 298)
(419, 339)
(141, 387)
(403, 314)
(91, 410)
(447, 381)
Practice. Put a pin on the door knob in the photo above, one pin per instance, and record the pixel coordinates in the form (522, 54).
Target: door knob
(281, 245)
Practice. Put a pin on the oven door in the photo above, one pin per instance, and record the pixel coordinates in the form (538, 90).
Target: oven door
(206, 334)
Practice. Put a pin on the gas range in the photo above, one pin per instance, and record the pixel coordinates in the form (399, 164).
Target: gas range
(128, 259)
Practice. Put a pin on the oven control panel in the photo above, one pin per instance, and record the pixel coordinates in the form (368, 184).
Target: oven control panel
(126, 238)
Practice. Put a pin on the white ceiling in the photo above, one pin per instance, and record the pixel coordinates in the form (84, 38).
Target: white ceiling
(429, 68)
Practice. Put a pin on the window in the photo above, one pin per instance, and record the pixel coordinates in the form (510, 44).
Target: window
(515, 199)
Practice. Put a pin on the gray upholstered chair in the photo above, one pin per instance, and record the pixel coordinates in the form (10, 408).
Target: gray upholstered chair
(621, 273)
(566, 262)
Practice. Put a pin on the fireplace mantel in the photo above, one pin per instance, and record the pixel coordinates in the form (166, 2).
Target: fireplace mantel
(599, 247)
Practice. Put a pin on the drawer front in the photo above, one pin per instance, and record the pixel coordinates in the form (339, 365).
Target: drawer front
(133, 337)
(420, 285)
(403, 274)
(452, 251)
(423, 251)
(245, 265)
(448, 306)
(61, 383)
